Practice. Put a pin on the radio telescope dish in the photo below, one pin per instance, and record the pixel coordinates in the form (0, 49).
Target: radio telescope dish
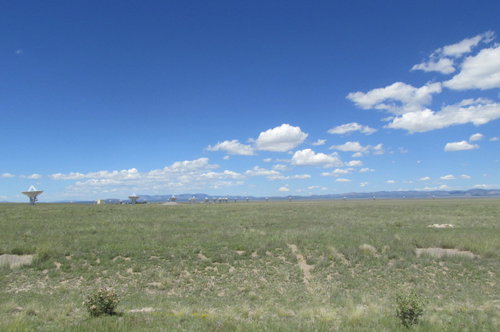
(133, 198)
(32, 194)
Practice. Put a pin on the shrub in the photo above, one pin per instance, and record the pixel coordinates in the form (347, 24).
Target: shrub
(410, 307)
(102, 302)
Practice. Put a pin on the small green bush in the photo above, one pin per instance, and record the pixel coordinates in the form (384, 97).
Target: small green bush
(410, 306)
(102, 302)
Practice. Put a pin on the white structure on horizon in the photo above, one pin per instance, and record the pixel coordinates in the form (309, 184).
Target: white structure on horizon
(32, 194)
(133, 198)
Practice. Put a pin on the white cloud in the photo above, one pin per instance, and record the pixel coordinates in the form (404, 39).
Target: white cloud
(483, 186)
(283, 189)
(363, 184)
(354, 163)
(280, 167)
(465, 176)
(440, 61)
(267, 160)
(443, 66)
(390, 181)
(7, 175)
(222, 175)
(233, 147)
(317, 187)
(476, 137)
(359, 149)
(476, 111)
(448, 177)
(280, 139)
(342, 180)
(494, 139)
(349, 146)
(481, 71)
(34, 176)
(425, 178)
(466, 45)
(397, 98)
(319, 142)
(338, 172)
(366, 170)
(182, 175)
(351, 127)
(259, 171)
(460, 146)
(308, 157)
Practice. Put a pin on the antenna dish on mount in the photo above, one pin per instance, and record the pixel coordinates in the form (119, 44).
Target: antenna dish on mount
(32, 194)
(133, 198)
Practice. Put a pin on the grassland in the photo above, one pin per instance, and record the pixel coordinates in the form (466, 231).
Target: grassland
(287, 266)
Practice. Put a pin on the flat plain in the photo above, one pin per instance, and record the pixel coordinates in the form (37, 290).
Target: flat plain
(256, 266)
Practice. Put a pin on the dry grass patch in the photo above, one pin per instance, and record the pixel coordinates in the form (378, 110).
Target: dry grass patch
(14, 261)
(442, 252)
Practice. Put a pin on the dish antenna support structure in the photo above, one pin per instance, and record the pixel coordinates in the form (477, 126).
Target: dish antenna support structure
(32, 194)
(133, 198)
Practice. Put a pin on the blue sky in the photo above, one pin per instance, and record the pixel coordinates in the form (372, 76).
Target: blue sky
(104, 99)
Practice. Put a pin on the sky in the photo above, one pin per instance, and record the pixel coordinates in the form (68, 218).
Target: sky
(102, 99)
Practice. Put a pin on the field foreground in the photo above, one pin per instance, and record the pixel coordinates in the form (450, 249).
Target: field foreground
(277, 266)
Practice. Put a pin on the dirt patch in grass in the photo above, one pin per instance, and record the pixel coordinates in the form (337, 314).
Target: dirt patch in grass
(122, 258)
(147, 309)
(202, 257)
(441, 226)
(302, 263)
(442, 252)
(14, 261)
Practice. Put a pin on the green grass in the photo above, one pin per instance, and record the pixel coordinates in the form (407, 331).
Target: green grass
(229, 267)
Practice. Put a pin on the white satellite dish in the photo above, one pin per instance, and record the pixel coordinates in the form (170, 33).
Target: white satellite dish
(32, 193)
(133, 198)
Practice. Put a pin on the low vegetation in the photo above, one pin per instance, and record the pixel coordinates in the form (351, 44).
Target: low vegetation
(275, 266)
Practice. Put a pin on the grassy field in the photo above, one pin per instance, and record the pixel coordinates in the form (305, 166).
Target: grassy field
(276, 266)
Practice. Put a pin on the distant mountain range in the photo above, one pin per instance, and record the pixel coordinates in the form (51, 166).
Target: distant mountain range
(410, 194)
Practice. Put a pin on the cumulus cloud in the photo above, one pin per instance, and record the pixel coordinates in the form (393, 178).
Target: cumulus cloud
(476, 111)
(280, 139)
(366, 170)
(494, 139)
(460, 146)
(425, 178)
(181, 175)
(476, 137)
(465, 46)
(443, 66)
(351, 127)
(283, 189)
(465, 176)
(481, 71)
(34, 176)
(317, 187)
(338, 172)
(441, 59)
(390, 181)
(6, 175)
(233, 147)
(448, 177)
(360, 150)
(342, 180)
(319, 142)
(259, 171)
(363, 184)
(308, 157)
(354, 163)
(397, 98)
